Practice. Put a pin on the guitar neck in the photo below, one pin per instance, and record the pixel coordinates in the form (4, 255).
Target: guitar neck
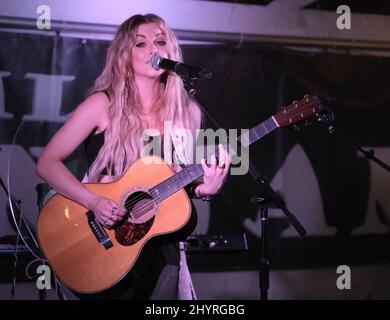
(192, 172)
(259, 131)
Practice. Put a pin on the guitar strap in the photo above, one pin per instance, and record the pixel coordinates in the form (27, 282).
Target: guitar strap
(183, 151)
(183, 146)
(186, 287)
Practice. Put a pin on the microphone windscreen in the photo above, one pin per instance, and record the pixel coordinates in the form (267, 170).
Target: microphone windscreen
(155, 61)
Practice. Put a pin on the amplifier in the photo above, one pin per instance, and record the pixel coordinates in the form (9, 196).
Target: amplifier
(213, 243)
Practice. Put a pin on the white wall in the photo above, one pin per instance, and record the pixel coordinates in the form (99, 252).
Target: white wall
(280, 18)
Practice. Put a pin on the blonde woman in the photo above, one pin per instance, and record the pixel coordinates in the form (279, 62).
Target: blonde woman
(129, 99)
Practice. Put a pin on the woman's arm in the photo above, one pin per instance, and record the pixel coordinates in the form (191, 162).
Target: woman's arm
(89, 115)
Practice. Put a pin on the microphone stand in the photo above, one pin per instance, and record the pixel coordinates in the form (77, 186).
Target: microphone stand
(269, 196)
(326, 121)
(16, 203)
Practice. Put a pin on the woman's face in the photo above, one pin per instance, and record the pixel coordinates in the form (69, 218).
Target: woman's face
(150, 41)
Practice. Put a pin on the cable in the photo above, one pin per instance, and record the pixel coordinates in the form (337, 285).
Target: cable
(11, 202)
(28, 276)
(20, 235)
(16, 260)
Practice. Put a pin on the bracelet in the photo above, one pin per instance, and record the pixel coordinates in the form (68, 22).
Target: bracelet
(204, 198)
(207, 198)
(192, 194)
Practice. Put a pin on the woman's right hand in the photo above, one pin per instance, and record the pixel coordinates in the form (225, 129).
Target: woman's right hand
(107, 211)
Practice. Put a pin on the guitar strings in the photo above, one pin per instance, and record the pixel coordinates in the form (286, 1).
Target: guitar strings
(186, 173)
(131, 202)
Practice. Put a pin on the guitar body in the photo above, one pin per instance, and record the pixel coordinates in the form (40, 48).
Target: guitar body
(73, 251)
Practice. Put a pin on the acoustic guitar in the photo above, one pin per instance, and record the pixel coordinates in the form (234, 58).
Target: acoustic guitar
(90, 258)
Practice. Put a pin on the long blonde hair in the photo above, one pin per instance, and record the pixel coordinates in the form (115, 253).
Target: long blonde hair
(122, 138)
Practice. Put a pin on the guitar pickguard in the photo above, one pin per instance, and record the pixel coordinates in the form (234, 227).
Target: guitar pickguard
(128, 233)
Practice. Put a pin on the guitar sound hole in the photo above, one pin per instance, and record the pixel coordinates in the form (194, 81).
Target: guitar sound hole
(141, 209)
(140, 206)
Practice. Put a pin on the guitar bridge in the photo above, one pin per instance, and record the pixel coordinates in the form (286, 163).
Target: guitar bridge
(98, 231)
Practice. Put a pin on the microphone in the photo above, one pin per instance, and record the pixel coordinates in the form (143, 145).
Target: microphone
(183, 70)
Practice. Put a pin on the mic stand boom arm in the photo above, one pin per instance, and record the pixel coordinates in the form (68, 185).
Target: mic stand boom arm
(326, 121)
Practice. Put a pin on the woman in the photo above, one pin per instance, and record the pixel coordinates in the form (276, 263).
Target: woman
(129, 99)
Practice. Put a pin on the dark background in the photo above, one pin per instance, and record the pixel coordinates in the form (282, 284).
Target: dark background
(250, 84)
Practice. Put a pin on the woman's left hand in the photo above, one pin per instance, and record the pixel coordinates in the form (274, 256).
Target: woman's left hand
(215, 174)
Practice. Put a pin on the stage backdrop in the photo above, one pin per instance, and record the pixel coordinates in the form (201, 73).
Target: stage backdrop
(340, 198)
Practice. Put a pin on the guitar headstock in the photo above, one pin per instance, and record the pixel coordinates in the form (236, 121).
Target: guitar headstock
(299, 110)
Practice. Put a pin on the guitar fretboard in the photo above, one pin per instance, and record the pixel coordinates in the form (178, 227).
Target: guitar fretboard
(192, 172)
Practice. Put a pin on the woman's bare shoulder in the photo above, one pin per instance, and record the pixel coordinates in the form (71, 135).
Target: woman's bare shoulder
(96, 108)
(96, 102)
